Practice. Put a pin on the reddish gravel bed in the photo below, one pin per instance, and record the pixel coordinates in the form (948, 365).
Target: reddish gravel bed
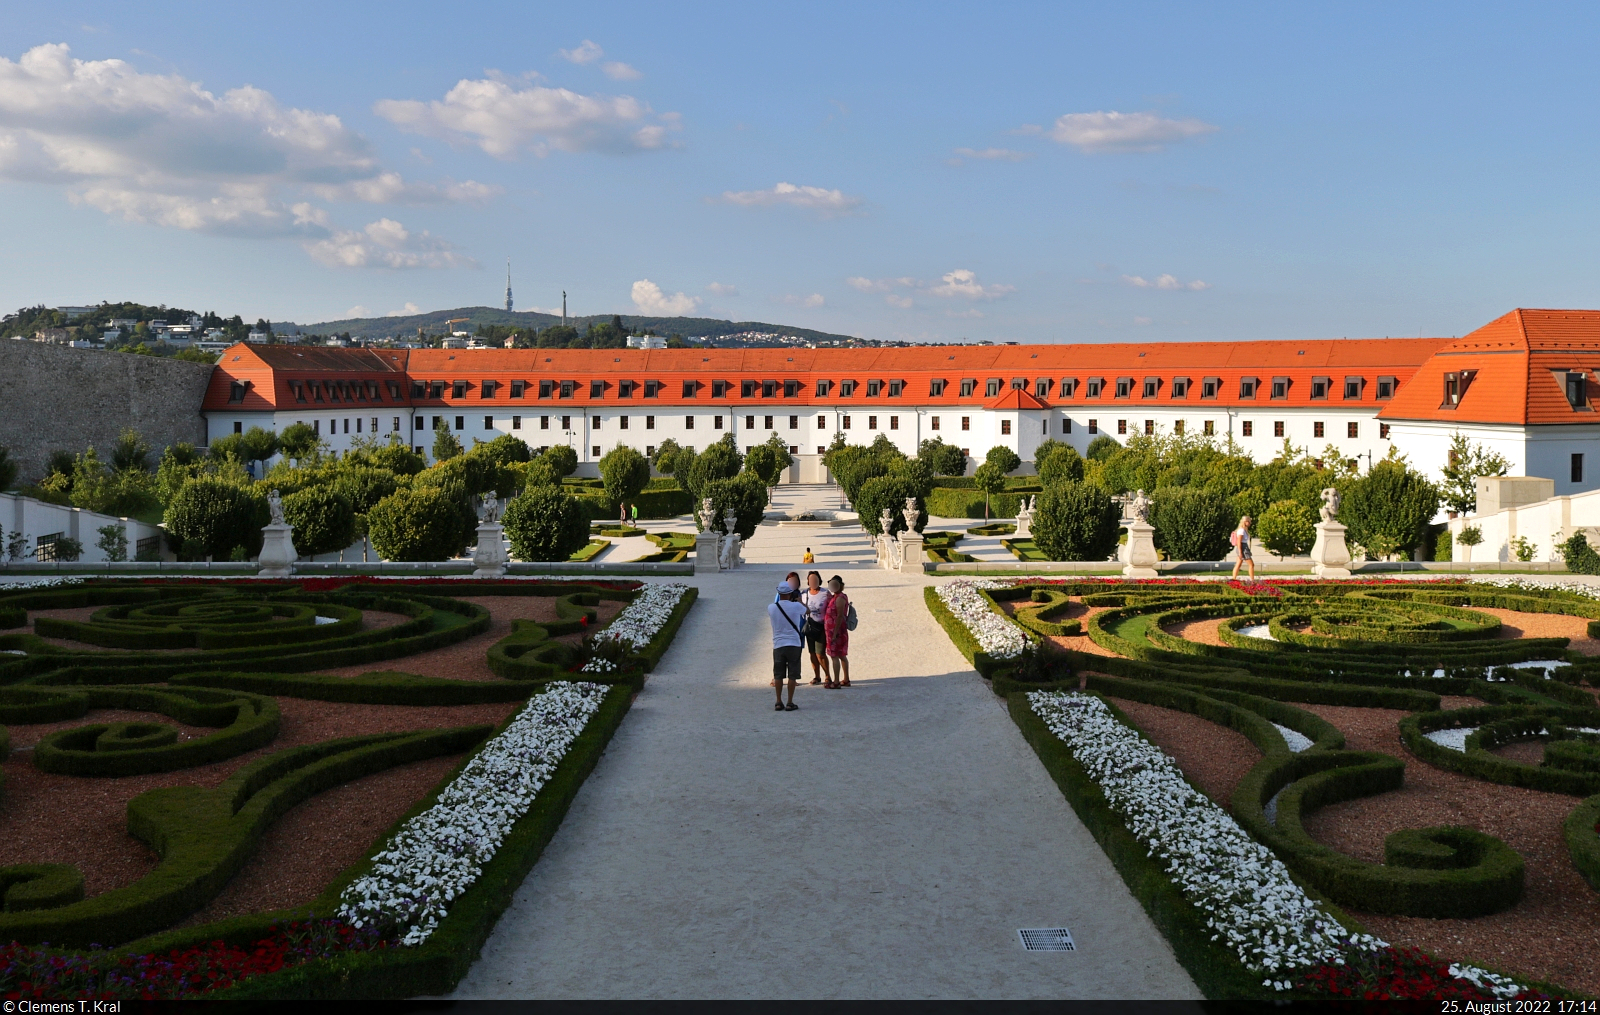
(67, 819)
(371, 620)
(1547, 935)
(308, 847)
(1214, 757)
(469, 660)
(1546, 625)
(1203, 632)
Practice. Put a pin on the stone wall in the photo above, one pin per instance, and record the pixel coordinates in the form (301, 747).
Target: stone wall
(54, 398)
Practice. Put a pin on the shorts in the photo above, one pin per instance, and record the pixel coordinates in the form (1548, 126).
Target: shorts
(1244, 550)
(786, 659)
(816, 640)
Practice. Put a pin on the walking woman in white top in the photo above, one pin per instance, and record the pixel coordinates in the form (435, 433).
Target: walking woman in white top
(815, 600)
(1241, 542)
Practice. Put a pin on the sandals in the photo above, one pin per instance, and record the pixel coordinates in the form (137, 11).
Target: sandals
(791, 707)
(844, 684)
(778, 706)
(816, 680)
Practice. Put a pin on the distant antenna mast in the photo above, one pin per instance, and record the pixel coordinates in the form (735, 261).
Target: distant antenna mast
(563, 308)
(508, 285)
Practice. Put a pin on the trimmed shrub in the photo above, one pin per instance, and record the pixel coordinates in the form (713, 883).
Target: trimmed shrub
(1388, 509)
(26, 886)
(416, 525)
(889, 492)
(217, 516)
(1075, 521)
(563, 461)
(746, 494)
(623, 473)
(1065, 465)
(324, 520)
(1287, 528)
(545, 524)
(364, 487)
(120, 749)
(12, 616)
(1191, 524)
(1579, 555)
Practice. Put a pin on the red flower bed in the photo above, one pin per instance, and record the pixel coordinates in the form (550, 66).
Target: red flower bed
(31, 973)
(334, 582)
(1398, 974)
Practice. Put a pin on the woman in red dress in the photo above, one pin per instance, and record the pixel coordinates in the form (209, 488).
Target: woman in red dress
(835, 627)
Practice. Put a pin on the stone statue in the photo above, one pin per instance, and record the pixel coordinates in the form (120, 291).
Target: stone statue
(912, 514)
(1330, 504)
(707, 514)
(275, 506)
(730, 549)
(489, 508)
(1140, 508)
(885, 521)
(730, 522)
(1025, 518)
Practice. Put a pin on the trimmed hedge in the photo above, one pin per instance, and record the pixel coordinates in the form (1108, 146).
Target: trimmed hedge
(12, 616)
(205, 836)
(376, 688)
(113, 750)
(1498, 724)
(28, 886)
(1583, 840)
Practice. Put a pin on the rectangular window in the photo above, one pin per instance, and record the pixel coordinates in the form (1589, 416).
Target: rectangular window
(1316, 429)
(316, 427)
(791, 389)
(1320, 386)
(546, 388)
(747, 389)
(1352, 430)
(874, 388)
(1122, 426)
(649, 450)
(794, 422)
(1457, 382)
(872, 422)
(1066, 425)
(1247, 386)
(769, 423)
(1096, 385)
(719, 389)
(968, 386)
(822, 422)
(991, 387)
(238, 427)
(1352, 388)
(461, 424)
(689, 389)
(1152, 385)
(1180, 387)
(894, 422)
(419, 389)
(1149, 428)
(1069, 387)
(769, 389)
(436, 389)
(936, 387)
(749, 422)
(458, 389)
(595, 425)
(1577, 468)
(966, 422)
(486, 389)
(1280, 387)
(566, 422)
(821, 450)
(416, 424)
(896, 388)
(1277, 428)
(933, 422)
(1124, 387)
(396, 428)
(1209, 428)
(567, 388)
(488, 422)
(437, 422)
(516, 422)
(652, 389)
(1247, 428)
(844, 421)
(1210, 386)
(624, 389)
(688, 422)
(1383, 431)
(594, 452)
(1177, 427)
(544, 422)
(517, 388)
(1019, 383)
(1042, 386)
(716, 422)
(1094, 426)
(1576, 396)
(823, 387)
(1005, 426)
(1386, 388)
(649, 422)
(847, 389)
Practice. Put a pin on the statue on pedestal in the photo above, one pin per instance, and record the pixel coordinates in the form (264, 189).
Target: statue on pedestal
(277, 556)
(1330, 504)
(489, 507)
(1139, 508)
(912, 514)
(1330, 554)
(730, 541)
(1025, 518)
(275, 507)
(707, 514)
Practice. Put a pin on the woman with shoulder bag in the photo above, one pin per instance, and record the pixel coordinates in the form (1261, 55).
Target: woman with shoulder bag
(815, 600)
(836, 628)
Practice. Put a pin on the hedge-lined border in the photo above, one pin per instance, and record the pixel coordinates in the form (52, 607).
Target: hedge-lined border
(1479, 763)
(247, 721)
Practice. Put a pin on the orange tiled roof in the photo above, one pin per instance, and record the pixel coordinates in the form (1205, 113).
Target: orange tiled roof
(1518, 368)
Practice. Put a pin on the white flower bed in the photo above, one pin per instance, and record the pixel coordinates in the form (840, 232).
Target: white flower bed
(1251, 903)
(1454, 739)
(1296, 740)
(639, 622)
(994, 634)
(436, 855)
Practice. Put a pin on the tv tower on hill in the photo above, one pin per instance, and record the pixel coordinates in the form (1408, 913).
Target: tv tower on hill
(508, 285)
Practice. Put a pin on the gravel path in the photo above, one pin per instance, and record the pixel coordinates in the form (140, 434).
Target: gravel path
(886, 840)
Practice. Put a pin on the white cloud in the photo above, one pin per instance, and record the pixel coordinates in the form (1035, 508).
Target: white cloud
(405, 311)
(160, 149)
(828, 202)
(588, 52)
(649, 298)
(903, 302)
(990, 155)
(722, 289)
(616, 70)
(1141, 320)
(385, 244)
(356, 311)
(501, 118)
(814, 300)
(965, 285)
(1165, 282)
(1124, 132)
(880, 285)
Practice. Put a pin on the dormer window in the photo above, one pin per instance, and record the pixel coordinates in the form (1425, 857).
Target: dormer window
(1456, 383)
(769, 389)
(436, 389)
(1210, 387)
(486, 389)
(1124, 387)
(652, 388)
(747, 389)
(1280, 387)
(847, 389)
(823, 387)
(936, 387)
(1069, 387)
(419, 389)
(719, 389)
(1248, 386)
(1386, 386)
(625, 388)
(1352, 388)
(896, 388)
(690, 388)
(568, 387)
(316, 392)
(874, 388)
(968, 386)
(1576, 388)
(299, 390)
(992, 388)
(458, 389)
(1180, 387)
(546, 388)
(791, 389)
(1096, 386)
(238, 389)
(1042, 386)
(1019, 384)
(518, 388)
(1319, 387)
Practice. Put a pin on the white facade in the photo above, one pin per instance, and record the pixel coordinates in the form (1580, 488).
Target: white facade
(41, 523)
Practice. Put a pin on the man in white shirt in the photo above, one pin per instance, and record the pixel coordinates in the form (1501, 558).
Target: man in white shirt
(787, 616)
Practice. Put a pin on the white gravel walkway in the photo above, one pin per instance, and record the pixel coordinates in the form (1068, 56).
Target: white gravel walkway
(885, 841)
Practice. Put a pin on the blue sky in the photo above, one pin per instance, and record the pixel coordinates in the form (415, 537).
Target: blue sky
(1009, 172)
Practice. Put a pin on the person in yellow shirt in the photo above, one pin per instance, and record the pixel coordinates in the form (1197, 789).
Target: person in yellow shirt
(808, 558)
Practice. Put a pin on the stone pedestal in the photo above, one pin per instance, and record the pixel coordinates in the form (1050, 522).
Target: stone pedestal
(1329, 554)
(1139, 555)
(707, 546)
(277, 551)
(490, 556)
(911, 551)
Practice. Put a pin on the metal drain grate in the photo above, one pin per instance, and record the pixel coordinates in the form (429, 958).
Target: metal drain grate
(1047, 939)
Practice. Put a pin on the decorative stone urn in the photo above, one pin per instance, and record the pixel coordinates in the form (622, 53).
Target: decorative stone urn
(731, 543)
(708, 544)
(277, 542)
